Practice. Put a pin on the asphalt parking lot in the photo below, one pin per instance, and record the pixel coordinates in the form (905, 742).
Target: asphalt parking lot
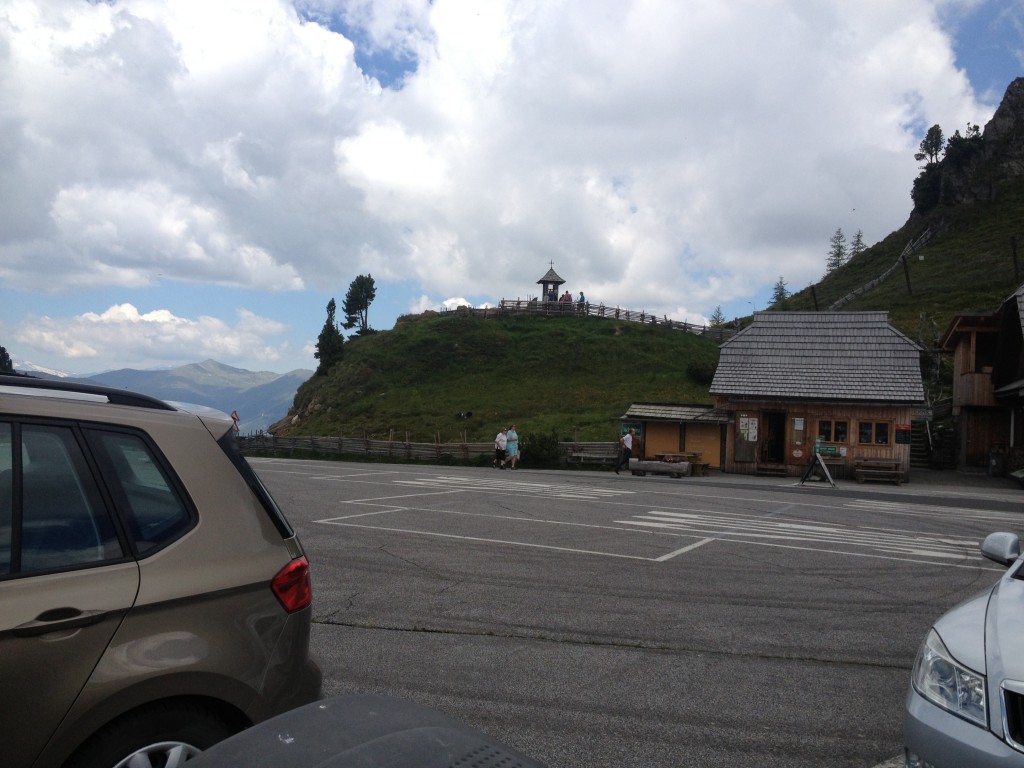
(589, 619)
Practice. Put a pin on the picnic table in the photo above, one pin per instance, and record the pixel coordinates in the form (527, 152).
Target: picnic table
(692, 456)
(680, 464)
(878, 469)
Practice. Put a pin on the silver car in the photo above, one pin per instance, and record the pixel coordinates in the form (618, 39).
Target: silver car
(965, 706)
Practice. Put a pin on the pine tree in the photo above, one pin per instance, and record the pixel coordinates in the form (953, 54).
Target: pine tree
(360, 294)
(6, 364)
(717, 319)
(931, 146)
(837, 251)
(780, 295)
(857, 246)
(329, 344)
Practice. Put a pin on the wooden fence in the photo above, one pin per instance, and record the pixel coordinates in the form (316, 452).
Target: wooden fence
(400, 450)
(509, 307)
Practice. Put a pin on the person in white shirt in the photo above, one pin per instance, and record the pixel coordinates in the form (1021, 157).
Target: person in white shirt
(500, 441)
(625, 450)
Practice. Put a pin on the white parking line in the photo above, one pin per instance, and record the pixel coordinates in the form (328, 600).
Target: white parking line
(507, 542)
(766, 531)
(505, 484)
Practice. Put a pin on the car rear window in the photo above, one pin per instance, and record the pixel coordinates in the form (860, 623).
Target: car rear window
(153, 509)
(230, 447)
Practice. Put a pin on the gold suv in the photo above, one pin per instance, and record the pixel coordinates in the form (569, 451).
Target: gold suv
(153, 597)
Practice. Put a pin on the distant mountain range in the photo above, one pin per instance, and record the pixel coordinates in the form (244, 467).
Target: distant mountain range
(260, 397)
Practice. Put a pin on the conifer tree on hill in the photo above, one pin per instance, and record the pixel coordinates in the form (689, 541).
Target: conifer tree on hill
(357, 302)
(330, 343)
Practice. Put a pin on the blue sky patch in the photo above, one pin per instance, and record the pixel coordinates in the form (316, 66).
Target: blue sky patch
(389, 67)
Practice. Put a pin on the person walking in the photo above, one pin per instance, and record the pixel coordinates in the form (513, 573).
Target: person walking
(512, 446)
(625, 449)
(500, 440)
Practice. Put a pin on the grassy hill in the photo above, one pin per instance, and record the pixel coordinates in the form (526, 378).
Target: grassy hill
(458, 376)
(574, 377)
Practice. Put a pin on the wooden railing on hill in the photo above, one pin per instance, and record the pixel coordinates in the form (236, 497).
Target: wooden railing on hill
(575, 309)
(401, 450)
(912, 246)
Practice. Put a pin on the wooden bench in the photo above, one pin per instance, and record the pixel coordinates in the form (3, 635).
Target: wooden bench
(878, 469)
(594, 453)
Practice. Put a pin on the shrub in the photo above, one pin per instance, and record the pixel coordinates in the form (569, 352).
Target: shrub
(701, 371)
(541, 450)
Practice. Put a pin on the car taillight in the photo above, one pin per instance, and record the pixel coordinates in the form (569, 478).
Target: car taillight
(292, 587)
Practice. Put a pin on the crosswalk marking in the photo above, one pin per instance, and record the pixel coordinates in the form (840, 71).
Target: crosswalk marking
(758, 529)
(507, 484)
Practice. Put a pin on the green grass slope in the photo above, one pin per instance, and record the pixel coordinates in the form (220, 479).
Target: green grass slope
(460, 376)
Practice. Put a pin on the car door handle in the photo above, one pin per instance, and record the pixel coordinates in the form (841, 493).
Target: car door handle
(58, 619)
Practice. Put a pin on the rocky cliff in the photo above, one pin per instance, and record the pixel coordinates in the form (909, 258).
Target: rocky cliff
(974, 167)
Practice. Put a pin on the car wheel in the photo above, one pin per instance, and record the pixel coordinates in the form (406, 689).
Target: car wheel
(160, 736)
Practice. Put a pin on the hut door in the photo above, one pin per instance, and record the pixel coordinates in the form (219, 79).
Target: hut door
(774, 446)
(746, 437)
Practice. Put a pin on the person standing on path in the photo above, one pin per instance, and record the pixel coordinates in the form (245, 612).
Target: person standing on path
(499, 448)
(512, 446)
(625, 449)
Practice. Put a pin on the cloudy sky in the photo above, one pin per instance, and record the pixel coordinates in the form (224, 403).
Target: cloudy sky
(197, 179)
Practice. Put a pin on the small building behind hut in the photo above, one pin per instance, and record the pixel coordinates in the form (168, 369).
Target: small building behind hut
(674, 428)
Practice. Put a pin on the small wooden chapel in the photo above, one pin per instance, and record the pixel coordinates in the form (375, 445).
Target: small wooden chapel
(549, 284)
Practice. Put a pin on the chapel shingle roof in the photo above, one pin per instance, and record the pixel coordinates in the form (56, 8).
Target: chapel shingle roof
(848, 356)
(551, 277)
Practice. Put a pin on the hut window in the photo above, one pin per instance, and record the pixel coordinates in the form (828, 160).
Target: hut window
(832, 431)
(873, 433)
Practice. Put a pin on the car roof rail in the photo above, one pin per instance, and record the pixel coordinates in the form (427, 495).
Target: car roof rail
(113, 396)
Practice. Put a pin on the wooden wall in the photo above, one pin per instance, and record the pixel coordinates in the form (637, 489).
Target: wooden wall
(707, 440)
(973, 389)
(660, 437)
(671, 437)
(812, 413)
(981, 430)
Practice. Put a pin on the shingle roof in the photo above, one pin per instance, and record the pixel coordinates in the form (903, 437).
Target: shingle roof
(551, 277)
(675, 412)
(846, 356)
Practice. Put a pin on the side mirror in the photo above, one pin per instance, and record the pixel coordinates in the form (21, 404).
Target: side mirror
(1003, 548)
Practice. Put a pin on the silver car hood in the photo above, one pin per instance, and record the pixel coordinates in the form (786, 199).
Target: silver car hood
(962, 630)
(1004, 628)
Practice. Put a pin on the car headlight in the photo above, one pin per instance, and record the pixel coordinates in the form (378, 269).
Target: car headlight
(947, 683)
